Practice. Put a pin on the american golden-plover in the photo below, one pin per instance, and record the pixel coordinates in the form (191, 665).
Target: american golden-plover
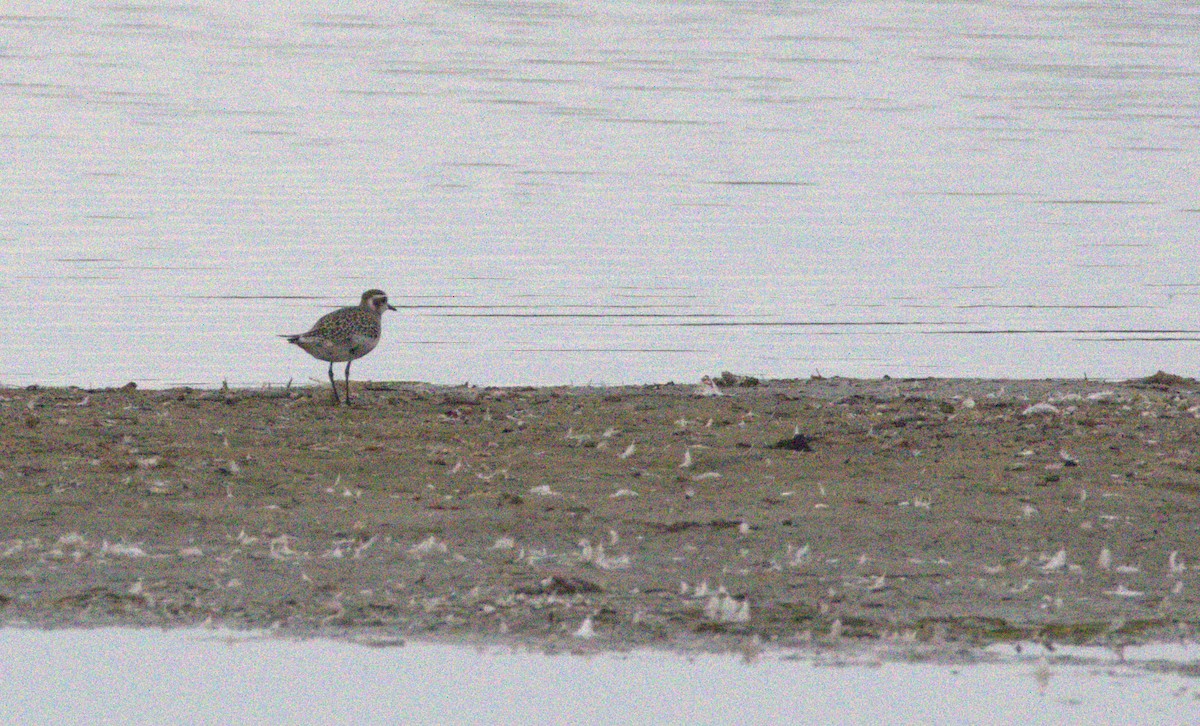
(346, 334)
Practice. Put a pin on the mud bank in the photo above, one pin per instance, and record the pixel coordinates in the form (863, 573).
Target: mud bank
(931, 510)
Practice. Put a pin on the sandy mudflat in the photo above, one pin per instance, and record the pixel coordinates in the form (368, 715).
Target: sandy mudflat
(957, 510)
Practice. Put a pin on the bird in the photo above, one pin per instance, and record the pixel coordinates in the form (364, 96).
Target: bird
(346, 334)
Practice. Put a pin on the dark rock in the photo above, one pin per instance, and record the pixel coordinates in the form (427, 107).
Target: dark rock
(799, 442)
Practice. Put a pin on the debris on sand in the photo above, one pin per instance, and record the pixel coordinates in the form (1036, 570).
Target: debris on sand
(1048, 409)
(798, 442)
(729, 380)
(1162, 379)
(391, 516)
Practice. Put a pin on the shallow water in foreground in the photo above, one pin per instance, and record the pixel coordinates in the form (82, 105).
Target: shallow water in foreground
(205, 676)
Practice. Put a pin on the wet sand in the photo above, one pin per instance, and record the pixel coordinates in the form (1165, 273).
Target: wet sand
(956, 511)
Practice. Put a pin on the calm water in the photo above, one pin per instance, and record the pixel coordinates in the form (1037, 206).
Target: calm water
(197, 677)
(609, 192)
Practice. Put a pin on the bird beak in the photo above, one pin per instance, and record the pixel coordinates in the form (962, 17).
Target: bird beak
(391, 307)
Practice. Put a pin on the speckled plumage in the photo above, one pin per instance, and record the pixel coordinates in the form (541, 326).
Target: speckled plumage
(346, 334)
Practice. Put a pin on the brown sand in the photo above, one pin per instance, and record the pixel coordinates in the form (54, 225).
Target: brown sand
(926, 509)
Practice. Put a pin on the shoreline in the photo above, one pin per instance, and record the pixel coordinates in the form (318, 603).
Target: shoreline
(727, 381)
(930, 510)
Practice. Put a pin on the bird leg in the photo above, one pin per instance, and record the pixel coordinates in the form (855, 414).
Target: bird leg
(333, 383)
(348, 381)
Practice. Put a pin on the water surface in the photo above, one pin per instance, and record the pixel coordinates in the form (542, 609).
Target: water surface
(197, 676)
(613, 192)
